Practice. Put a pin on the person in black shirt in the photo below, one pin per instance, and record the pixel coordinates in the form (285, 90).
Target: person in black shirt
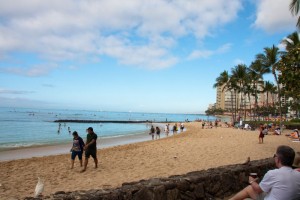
(90, 148)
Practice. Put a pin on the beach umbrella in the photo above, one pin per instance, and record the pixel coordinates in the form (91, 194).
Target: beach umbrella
(39, 188)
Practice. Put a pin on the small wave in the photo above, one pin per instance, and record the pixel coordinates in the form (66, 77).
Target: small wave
(124, 135)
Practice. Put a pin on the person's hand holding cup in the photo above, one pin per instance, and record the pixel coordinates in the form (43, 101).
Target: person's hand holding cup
(253, 177)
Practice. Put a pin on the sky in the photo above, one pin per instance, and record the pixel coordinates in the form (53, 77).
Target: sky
(132, 55)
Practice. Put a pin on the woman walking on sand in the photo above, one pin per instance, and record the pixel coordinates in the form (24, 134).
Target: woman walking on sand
(77, 149)
(157, 133)
(261, 135)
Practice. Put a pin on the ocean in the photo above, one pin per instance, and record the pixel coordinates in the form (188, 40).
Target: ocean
(23, 127)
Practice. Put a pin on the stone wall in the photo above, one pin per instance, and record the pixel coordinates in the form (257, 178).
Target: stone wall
(216, 183)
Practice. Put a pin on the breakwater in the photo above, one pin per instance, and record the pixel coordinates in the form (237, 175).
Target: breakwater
(110, 121)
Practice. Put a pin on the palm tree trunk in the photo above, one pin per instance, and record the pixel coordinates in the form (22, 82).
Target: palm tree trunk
(232, 113)
(267, 98)
(236, 103)
(279, 95)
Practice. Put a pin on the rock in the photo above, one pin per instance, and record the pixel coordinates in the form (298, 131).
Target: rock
(183, 186)
(169, 185)
(60, 192)
(199, 191)
(154, 182)
(187, 195)
(172, 194)
(160, 193)
(144, 194)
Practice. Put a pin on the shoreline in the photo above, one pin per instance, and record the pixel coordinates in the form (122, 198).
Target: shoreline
(17, 153)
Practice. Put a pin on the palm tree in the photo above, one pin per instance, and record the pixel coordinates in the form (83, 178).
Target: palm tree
(268, 89)
(256, 71)
(239, 75)
(225, 83)
(249, 91)
(291, 41)
(270, 59)
(222, 79)
(294, 8)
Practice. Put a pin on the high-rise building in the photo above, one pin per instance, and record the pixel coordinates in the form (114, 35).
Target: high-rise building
(230, 99)
(226, 99)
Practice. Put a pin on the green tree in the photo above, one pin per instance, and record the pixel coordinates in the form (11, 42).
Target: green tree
(270, 58)
(269, 88)
(291, 41)
(239, 76)
(289, 66)
(256, 72)
(224, 81)
(294, 8)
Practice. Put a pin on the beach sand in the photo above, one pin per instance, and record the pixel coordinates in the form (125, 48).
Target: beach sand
(195, 149)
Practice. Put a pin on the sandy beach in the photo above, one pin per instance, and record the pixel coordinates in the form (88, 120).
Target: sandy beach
(195, 149)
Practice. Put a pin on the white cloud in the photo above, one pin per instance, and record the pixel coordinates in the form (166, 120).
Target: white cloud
(135, 32)
(200, 54)
(196, 54)
(238, 61)
(35, 71)
(8, 91)
(274, 16)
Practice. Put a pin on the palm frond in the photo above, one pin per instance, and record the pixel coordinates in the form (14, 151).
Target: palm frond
(294, 7)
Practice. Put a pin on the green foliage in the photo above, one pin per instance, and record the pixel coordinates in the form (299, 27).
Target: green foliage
(294, 8)
(289, 66)
(214, 111)
(297, 120)
(246, 81)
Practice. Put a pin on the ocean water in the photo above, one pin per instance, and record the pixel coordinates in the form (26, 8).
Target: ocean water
(23, 127)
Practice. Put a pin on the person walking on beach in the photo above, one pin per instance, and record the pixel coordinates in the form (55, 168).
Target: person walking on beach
(261, 135)
(175, 129)
(167, 130)
(157, 133)
(90, 148)
(282, 183)
(152, 132)
(77, 149)
(181, 127)
(216, 124)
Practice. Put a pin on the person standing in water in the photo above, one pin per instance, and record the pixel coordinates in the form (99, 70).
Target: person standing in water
(90, 148)
(152, 132)
(157, 133)
(181, 127)
(77, 149)
(175, 129)
(167, 130)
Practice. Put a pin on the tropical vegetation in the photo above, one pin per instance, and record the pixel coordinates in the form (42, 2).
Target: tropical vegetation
(246, 84)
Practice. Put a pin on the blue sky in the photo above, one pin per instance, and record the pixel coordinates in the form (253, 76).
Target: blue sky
(138, 55)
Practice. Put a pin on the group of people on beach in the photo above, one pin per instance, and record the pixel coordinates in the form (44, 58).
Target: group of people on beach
(281, 183)
(89, 148)
(156, 131)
